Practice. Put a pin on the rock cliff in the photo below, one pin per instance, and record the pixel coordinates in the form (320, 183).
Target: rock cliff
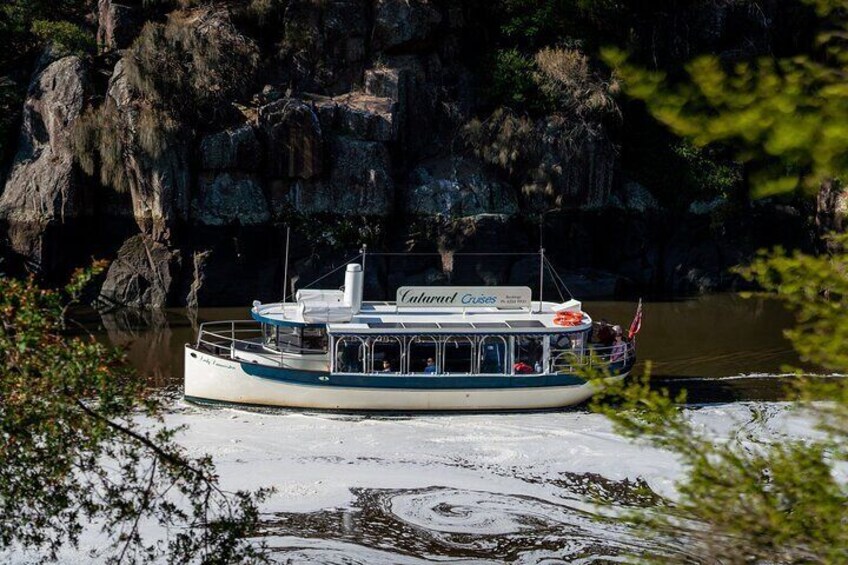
(350, 121)
(43, 189)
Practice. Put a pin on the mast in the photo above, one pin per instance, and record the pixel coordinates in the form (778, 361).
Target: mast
(286, 266)
(541, 276)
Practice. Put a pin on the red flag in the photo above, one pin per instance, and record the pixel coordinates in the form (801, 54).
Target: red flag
(636, 324)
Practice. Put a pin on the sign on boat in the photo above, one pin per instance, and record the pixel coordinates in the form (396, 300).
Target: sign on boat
(464, 296)
(432, 349)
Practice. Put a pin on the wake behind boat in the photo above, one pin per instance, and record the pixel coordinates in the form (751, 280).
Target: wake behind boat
(432, 349)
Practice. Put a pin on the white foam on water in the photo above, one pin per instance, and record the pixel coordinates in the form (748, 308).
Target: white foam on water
(479, 474)
(759, 376)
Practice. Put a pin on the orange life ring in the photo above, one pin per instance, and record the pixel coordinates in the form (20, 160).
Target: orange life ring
(568, 318)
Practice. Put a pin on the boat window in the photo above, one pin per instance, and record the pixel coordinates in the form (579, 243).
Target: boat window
(572, 341)
(566, 351)
(458, 355)
(386, 354)
(315, 339)
(493, 355)
(289, 339)
(528, 355)
(269, 335)
(423, 354)
(351, 353)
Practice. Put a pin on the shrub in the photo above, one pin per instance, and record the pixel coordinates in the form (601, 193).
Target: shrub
(180, 75)
(545, 156)
(570, 85)
(65, 37)
(512, 78)
(193, 66)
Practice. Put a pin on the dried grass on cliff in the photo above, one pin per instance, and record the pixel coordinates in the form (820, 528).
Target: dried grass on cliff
(542, 154)
(176, 78)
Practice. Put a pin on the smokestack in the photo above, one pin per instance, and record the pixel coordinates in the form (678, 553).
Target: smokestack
(354, 283)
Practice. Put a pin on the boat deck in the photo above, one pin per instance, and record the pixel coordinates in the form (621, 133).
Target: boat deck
(386, 317)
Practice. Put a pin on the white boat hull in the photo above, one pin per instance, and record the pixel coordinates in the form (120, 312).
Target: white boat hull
(212, 378)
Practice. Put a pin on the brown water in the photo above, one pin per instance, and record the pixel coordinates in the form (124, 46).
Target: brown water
(699, 341)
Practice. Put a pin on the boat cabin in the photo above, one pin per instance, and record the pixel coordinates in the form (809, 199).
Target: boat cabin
(426, 331)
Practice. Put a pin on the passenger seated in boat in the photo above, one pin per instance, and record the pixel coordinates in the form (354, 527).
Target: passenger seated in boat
(387, 367)
(430, 368)
(521, 367)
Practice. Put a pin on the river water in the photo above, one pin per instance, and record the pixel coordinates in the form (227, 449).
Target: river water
(478, 488)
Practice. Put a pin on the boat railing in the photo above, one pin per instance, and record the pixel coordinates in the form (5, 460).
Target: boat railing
(571, 360)
(224, 338)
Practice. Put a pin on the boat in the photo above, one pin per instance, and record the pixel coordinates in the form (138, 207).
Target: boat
(434, 348)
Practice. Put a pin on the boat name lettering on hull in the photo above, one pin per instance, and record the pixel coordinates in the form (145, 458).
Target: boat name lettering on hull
(216, 363)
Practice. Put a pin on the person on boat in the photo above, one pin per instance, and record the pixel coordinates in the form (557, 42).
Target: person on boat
(619, 349)
(387, 367)
(605, 333)
(521, 367)
(430, 368)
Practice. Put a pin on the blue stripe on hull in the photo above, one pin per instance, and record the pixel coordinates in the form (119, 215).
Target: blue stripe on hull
(423, 382)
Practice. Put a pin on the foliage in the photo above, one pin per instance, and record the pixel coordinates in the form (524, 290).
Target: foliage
(28, 24)
(74, 453)
(534, 24)
(264, 11)
(193, 66)
(539, 155)
(760, 501)
(774, 502)
(787, 117)
(65, 37)
(176, 76)
(554, 80)
(678, 172)
(512, 78)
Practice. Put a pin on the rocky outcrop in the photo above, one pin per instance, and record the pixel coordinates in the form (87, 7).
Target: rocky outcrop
(229, 188)
(42, 183)
(456, 187)
(233, 149)
(141, 276)
(118, 24)
(633, 196)
(358, 115)
(157, 178)
(229, 198)
(359, 181)
(325, 44)
(404, 24)
(293, 139)
(832, 207)
(42, 187)
(557, 161)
